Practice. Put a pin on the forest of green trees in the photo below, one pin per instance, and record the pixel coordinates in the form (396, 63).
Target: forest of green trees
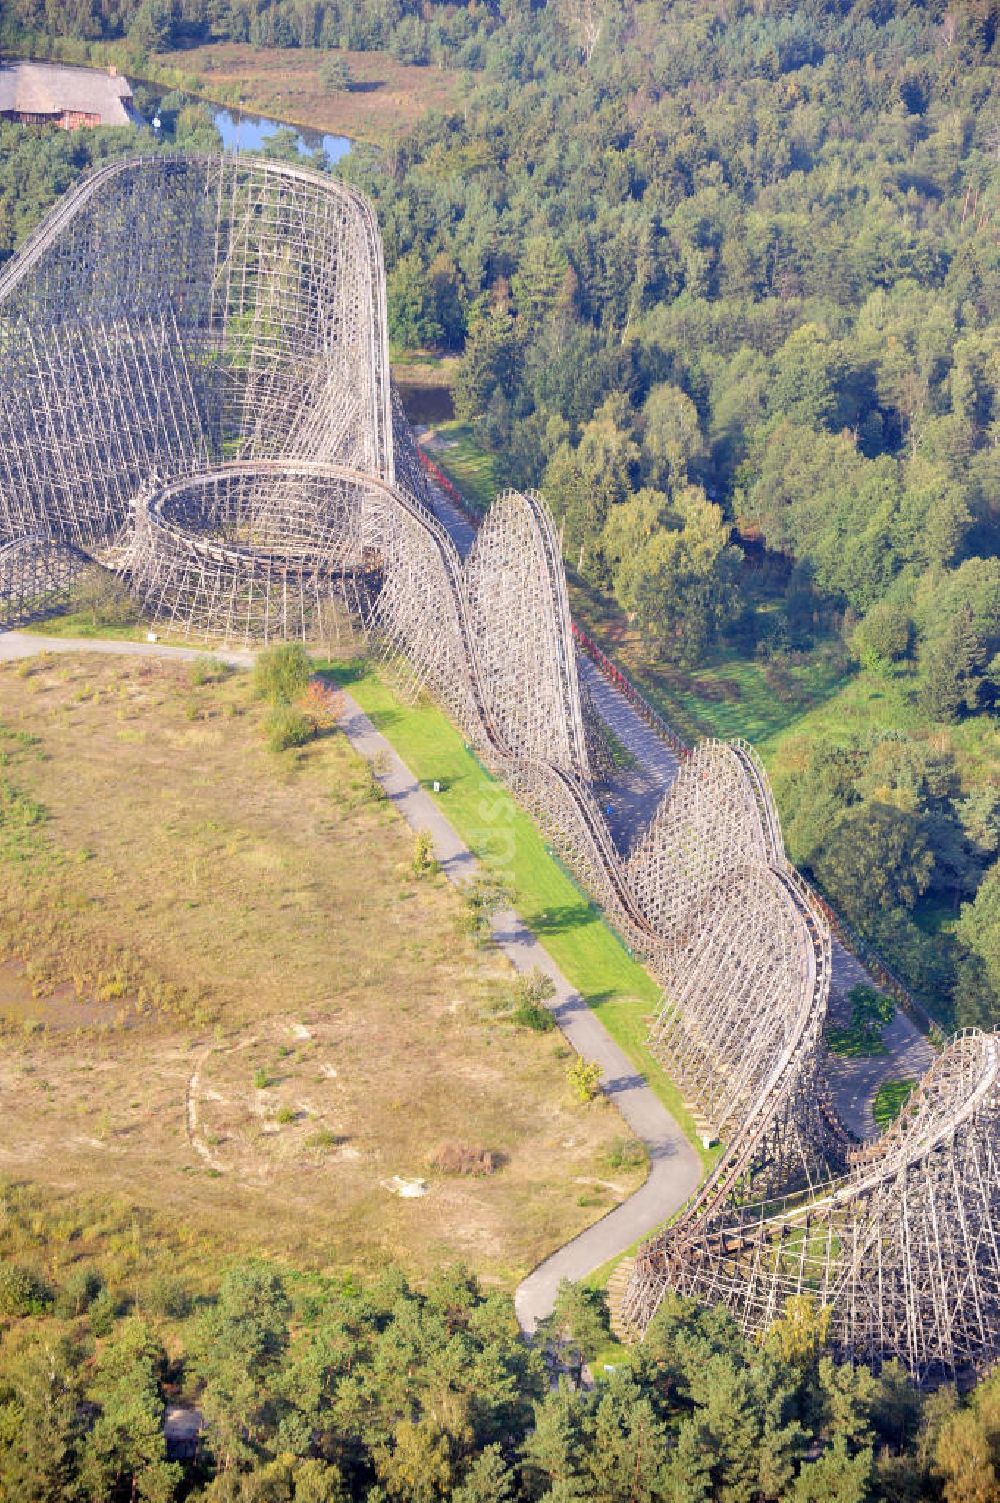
(320, 1391)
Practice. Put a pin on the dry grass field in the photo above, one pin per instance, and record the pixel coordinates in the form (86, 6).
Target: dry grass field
(386, 100)
(227, 1001)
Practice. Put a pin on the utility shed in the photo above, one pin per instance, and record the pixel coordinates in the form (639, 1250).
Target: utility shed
(50, 94)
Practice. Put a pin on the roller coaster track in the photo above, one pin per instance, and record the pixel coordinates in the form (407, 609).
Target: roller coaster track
(238, 309)
(904, 1250)
(37, 573)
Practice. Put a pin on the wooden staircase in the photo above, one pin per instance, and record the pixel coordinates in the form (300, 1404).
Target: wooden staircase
(617, 1284)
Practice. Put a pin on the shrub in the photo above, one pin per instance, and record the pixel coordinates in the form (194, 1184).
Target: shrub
(261, 1080)
(323, 1138)
(167, 1296)
(322, 705)
(81, 1288)
(461, 1159)
(532, 1015)
(99, 594)
(884, 635)
(335, 74)
(285, 1115)
(22, 1292)
(533, 990)
(424, 863)
(584, 1077)
(206, 670)
(625, 1153)
(287, 727)
(281, 673)
(484, 897)
(103, 1313)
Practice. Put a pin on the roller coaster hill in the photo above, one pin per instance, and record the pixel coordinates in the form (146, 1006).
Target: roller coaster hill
(195, 393)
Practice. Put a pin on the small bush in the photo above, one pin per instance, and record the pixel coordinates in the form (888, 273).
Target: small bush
(625, 1153)
(281, 673)
(81, 1288)
(206, 670)
(103, 1313)
(285, 1115)
(584, 1077)
(484, 897)
(884, 635)
(21, 819)
(532, 991)
(22, 1292)
(99, 594)
(461, 1159)
(424, 864)
(322, 705)
(323, 1138)
(335, 74)
(532, 1015)
(288, 727)
(261, 1080)
(168, 1297)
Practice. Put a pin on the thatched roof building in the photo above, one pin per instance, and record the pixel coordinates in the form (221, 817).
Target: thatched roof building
(50, 94)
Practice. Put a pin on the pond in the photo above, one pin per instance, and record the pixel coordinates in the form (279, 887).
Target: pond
(242, 132)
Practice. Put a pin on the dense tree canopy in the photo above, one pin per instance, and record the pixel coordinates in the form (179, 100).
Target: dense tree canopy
(318, 1391)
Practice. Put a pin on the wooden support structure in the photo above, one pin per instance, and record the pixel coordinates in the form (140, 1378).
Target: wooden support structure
(195, 390)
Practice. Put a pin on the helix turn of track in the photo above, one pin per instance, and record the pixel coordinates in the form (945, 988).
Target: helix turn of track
(904, 1249)
(195, 389)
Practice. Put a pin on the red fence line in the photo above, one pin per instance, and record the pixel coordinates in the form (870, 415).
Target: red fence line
(627, 689)
(450, 489)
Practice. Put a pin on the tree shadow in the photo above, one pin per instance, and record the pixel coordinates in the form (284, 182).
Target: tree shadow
(563, 918)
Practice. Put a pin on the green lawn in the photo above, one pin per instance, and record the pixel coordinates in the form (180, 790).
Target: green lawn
(738, 696)
(82, 624)
(590, 954)
(465, 463)
(892, 1097)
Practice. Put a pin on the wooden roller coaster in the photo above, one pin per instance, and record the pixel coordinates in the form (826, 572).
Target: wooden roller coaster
(195, 391)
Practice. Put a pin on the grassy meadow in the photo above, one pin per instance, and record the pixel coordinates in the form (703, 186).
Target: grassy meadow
(233, 1018)
(589, 953)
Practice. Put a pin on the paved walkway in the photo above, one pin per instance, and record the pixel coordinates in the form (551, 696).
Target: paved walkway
(457, 522)
(855, 1083)
(675, 1169)
(635, 792)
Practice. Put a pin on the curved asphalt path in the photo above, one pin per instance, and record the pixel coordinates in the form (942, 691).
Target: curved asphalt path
(675, 1169)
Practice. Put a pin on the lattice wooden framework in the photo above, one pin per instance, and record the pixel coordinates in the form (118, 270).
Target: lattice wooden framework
(904, 1249)
(194, 385)
(37, 575)
(194, 388)
(174, 312)
(516, 589)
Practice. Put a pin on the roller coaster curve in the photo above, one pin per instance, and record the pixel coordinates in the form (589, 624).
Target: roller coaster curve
(195, 390)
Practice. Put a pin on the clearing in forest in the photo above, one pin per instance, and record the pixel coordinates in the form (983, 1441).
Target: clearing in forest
(385, 100)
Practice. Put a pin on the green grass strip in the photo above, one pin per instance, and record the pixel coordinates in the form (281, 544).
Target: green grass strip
(589, 953)
(465, 463)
